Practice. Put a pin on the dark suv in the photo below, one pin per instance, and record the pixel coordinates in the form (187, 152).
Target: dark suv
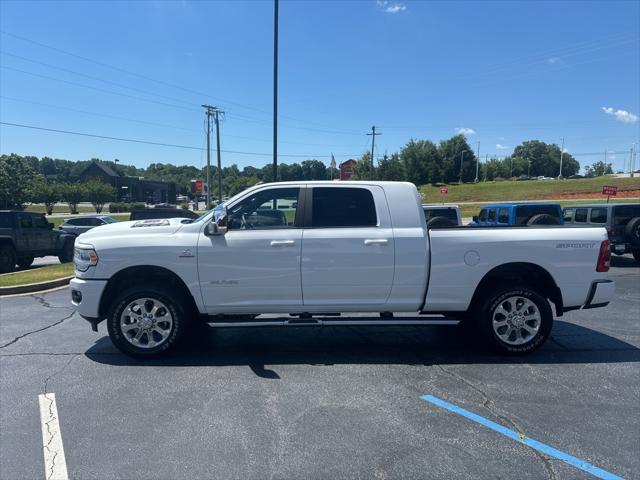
(25, 235)
(622, 221)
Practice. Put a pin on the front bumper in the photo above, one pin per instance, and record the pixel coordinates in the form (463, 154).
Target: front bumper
(85, 298)
(600, 294)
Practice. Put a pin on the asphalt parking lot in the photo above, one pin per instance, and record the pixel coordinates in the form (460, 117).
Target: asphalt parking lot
(310, 402)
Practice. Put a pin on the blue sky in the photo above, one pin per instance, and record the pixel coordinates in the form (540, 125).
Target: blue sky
(503, 72)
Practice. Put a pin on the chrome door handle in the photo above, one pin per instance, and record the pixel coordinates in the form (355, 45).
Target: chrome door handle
(282, 243)
(377, 241)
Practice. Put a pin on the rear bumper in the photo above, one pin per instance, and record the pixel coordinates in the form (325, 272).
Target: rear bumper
(85, 298)
(600, 294)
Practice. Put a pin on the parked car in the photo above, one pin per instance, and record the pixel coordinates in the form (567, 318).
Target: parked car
(26, 235)
(153, 213)
(351, 247)
(442, 215)
(78, 225)
(505, 214)
(622, 221)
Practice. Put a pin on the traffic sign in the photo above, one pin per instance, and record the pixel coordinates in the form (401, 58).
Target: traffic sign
(444, 190)
(609, 190)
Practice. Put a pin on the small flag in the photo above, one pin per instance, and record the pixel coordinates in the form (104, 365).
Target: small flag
(333, 161)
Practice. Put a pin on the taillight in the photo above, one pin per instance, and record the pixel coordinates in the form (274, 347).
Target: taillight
(604, 257)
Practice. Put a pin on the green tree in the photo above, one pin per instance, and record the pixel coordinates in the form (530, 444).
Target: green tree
(313, 170)
(451, 153)
(45, 193)
(16, 176)
(545, 159)
(98, 193)
(72, 194)
(390, 168)
(598, 169)
(363, 170)
(421, 162)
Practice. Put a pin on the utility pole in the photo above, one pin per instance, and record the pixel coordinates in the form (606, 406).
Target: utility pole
(217, 118)
(208, 111)
(561, 154)
(528, 169)
(477, 164)
(115, 162)
(632, 163)
(275, 91)
(373, 144)
(461, 162)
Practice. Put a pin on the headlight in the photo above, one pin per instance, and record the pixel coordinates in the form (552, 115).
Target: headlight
(83, 258)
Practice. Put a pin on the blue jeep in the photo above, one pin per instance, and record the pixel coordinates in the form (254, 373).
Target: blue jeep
(523, 214)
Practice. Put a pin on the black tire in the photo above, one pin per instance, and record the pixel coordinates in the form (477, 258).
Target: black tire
(66, 255)
(497, 298)
(175, 333)
(7, 259)
(636, 255)
(24, 262)
(632, 232)
(543, 219)
(440, 222)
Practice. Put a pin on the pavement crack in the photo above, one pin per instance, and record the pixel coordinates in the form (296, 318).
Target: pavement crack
(57, 372)
(44, 303)
(487, 403)
(20, 337)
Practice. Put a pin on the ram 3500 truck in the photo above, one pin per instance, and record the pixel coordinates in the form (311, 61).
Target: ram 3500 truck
(307, 248)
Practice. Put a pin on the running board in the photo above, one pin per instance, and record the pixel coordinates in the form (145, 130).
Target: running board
(347, 322)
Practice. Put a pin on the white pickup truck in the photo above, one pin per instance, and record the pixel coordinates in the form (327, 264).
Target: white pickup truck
(316, 251)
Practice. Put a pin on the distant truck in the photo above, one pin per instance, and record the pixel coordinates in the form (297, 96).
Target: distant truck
(442, 215)
(622, 221)
(522, 214)
(78, 225)
(26, 235)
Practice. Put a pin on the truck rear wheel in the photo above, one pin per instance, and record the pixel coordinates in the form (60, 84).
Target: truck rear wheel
(147, 321)
(24, 262)
(7, 259)
(515, 320)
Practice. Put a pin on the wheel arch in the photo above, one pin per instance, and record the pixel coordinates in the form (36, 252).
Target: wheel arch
(139, 275)
(523, 273)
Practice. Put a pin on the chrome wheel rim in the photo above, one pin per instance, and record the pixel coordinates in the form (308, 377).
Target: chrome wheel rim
(146, 322)
(516, 320)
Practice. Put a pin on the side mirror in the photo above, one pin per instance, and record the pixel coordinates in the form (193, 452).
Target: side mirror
(213, 229)
(476, 219)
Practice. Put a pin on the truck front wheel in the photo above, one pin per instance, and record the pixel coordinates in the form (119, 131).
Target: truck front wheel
(515, 320)
(146, 321)
(7, 259)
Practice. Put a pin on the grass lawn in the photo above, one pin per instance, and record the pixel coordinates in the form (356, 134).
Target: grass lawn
(37, 275)
(525, 190)
(119, 217)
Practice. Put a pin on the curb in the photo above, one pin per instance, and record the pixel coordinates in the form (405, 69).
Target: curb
(34, 287)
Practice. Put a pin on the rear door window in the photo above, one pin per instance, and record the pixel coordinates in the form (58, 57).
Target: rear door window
(24, 220)
(623, 213)
(598, 215)
(343, 207)
(581, 215)
(492, 215)
(503, 215)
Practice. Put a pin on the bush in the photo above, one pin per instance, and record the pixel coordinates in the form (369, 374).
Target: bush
(118, 207)
(136, 206)
(184, 206)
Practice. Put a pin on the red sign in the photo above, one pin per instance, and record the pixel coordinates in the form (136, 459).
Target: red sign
(198, 187)
(444, 190)
(609, 190)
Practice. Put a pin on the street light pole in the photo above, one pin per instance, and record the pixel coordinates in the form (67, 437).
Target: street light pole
(461, 162)
(477, 164)
(561, 153)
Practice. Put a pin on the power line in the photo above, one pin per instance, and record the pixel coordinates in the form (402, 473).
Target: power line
(161, 144)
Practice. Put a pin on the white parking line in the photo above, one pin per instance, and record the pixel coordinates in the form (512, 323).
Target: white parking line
(54, 462)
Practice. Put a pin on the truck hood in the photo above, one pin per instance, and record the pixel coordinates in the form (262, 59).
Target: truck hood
(161, 226)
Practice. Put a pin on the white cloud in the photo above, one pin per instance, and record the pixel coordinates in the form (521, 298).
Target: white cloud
(395, 7)
(621, 115)
(465, 131)
(499, 146)
(554, 60)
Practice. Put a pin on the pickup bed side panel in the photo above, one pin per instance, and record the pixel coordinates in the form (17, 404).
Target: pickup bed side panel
(462, 257)
(411, 248)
